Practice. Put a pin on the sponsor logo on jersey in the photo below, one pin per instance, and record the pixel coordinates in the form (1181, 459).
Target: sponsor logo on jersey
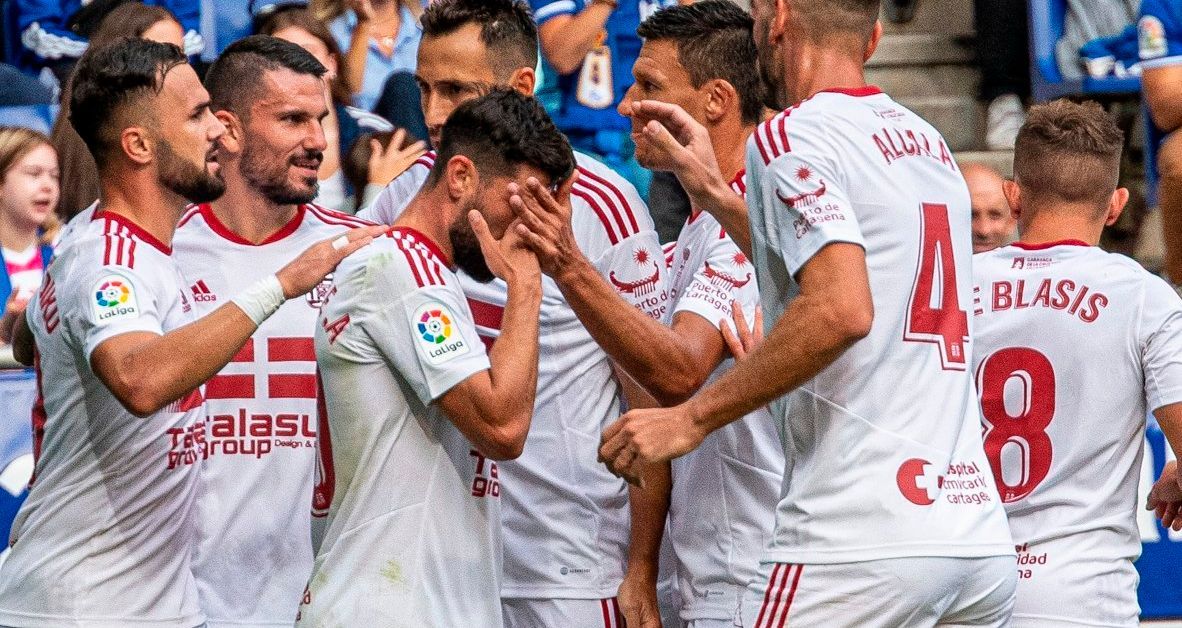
(439, 339)
(724, 281)
(962, 483)
(318, 295)
(202, 293)
(804, 175)
(918, 481)
(643, 286)
(114, 299)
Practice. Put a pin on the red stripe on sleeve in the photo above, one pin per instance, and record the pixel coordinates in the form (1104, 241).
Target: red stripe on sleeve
(625, 206)
(607, 226)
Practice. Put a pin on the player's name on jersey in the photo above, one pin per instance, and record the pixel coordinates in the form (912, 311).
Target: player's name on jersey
(1057, 294)
(897, 143)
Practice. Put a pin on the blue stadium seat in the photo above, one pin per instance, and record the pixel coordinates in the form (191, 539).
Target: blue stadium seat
(1046, 82)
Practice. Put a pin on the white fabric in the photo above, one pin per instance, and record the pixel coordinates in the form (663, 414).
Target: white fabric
(725, 490)
(260, 425)
(567, 520)
(1064, 432)
(883, 446)
(534, 613)
(413, 528)
(105, 535)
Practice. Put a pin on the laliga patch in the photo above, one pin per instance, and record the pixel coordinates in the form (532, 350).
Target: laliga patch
(436, 334)
(113, 299)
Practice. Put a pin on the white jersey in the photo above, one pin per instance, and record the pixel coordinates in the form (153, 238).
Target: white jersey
(413, 534)
(725, 490)
(1063, 431)
(105, 535)
(260, 425)
(566, 519)
(883, 445)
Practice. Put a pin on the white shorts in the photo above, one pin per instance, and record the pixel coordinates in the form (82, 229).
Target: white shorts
(1060, 585)
(538, 613)
(915, 592)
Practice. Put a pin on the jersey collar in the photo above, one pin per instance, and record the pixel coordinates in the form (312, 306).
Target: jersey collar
(865, 90)
(139, 232)
(425, 241)
(221, 229)
(1038, 246)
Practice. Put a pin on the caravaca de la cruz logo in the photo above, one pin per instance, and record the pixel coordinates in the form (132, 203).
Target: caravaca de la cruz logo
(440, 339)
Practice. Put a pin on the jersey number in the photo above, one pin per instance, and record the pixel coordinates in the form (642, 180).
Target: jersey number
(1018, 447)
(934, 314)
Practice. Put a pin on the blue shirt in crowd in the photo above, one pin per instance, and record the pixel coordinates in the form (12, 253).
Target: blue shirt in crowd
(379, 67)
(1159, 33)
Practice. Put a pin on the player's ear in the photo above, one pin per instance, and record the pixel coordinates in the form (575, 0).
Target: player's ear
(720, 98)
(875, 37)
(1116, 204)
(231, 142)
(523, 80)
(137, 144)
(461, 177)
(1013, 196)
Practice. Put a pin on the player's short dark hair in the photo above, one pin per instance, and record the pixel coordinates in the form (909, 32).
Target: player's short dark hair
(826, 18)
(501, 131)
(1068, 152)
(110, 82)
(233, 79)
(714, 41)
(507, 29)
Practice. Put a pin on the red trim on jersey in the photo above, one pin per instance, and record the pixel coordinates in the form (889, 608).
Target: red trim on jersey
(218, 227)
(38, 415)
(190, 211)
(427, 242)
(763, 154)
(291, 350)
(132, 229)
(190, 401)
(423, 260)
(291, 386)
(767, 594)
(230, 387)
(588, 176)
(1038, 246)
(739, 183)
(603, 219)
(857, 92)
(426, 160)
(336, 218)
(485, 314)
(325, 476)
(791, 595)
(246, 353)
(771, 137)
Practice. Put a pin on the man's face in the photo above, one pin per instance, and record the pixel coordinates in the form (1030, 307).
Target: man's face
(452, 70)
(659, 76)
(993, 224)
(491, 199)
(187, 138)
(283, 142)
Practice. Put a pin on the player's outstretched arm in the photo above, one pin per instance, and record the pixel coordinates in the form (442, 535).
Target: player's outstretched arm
(681, 145)
(493, 408)
(833, 311)
(147, 371)
(670, 362)
(23, 345)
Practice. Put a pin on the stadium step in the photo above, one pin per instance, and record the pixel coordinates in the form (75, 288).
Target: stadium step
(958, 118)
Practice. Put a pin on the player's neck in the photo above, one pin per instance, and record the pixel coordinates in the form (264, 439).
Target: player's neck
(250, 215)
(430, 215)
(1056, 227)
(823, 68)
(730, 147)
(141, 199)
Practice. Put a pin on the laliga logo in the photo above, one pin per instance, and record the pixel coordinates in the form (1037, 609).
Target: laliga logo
(435, 327)
(918, 481)
(111, 294)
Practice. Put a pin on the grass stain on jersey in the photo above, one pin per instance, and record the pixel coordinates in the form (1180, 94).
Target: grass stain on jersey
(392, 572)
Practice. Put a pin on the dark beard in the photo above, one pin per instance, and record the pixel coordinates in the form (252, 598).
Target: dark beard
(192, 182)
(272, 182)
(466, 249)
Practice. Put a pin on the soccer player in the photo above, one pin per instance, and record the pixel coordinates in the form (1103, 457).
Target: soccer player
(260, 422)
(702, 58)
(859, 225)
(106, 533)
(567, 521)
(1065, 441)
(417, 411)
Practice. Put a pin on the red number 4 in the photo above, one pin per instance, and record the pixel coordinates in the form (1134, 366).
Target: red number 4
(934, 314)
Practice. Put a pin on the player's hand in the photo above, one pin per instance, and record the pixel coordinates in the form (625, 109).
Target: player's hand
(677, 143)
(1165, 499)
(545, 224)
(638, 601)
(642, 437)
(13, 309)
(313, 265)
(743, 339)
(508, 258)
(389, 161)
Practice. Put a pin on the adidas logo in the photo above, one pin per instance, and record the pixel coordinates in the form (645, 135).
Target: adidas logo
(202, 293)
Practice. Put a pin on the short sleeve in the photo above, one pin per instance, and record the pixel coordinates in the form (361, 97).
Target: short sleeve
(636, 268)
(429, 337)
(545, 10)
(394, 198)
(109, 301)
(810, 207)
(726, 276)
(1159, 33)
(1161, 344)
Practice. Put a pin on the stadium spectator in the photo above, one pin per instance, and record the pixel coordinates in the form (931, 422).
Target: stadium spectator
(106, 534)
(344, 123)
(1160, 29)
(379, 37)
(1003, 55)
(1095, 340)
(28, 196)
(24, 101)
(375, 160)
(132, 19)
(224, 22)
(256, 482)
(55, 33)
(592, 44)
(993, 223)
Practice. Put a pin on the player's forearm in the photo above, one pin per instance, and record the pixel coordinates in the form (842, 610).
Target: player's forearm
(663, 363)
(566, 40)
(1160, 87)
(1169, 419)
(649, 506)
(514, 371)
(813, 332)
(22, 341)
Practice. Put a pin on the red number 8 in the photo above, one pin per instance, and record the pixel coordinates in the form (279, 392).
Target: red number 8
(1018, 447)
